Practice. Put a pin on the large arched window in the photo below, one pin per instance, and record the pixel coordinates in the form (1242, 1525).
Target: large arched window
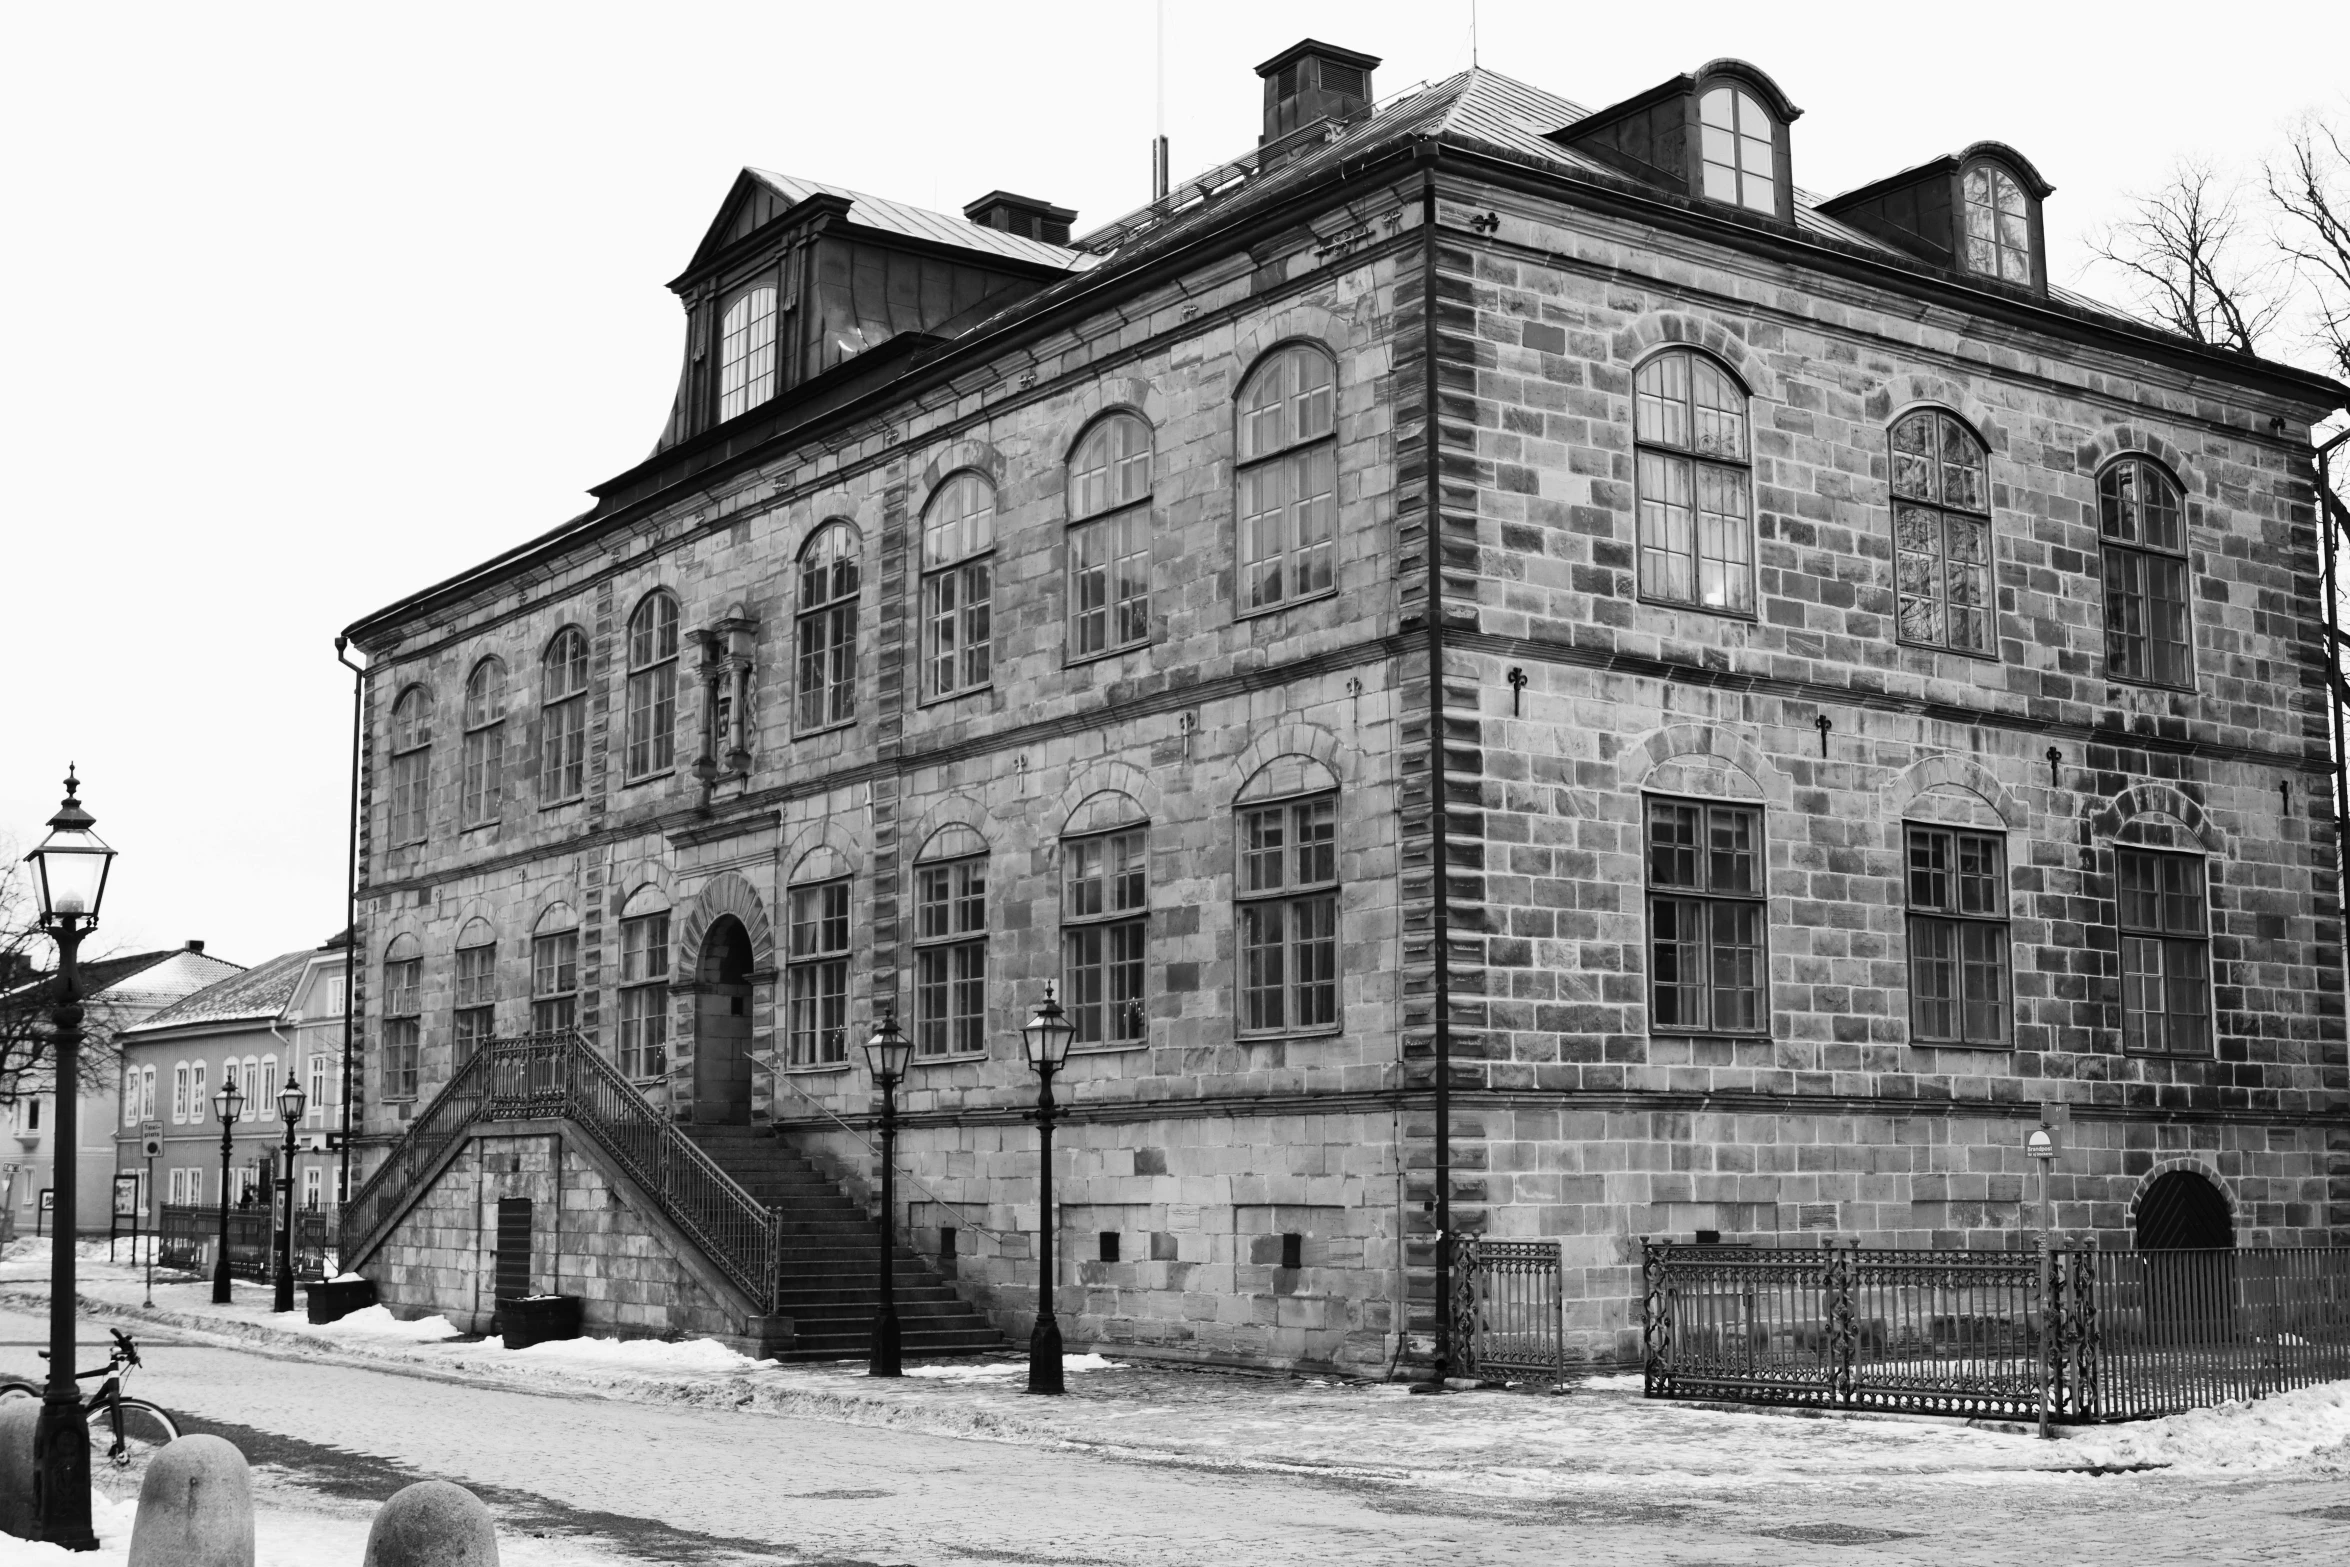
(563, 683)
(1288, 477)
(1998, 224)
(950, 944)
(484, 786)
(958, 586)
(1286, 896)
(1109, 537)
(746, 352)
(403, 1015)
(828, 628)
(652, 687)
(2143, 520)
(411, 765)
(644, 985)
(816, 961)
(554, 971)
(1941, 533)
(1696, 520)
(1105, 920)
(1735, 151)
(473, 1017)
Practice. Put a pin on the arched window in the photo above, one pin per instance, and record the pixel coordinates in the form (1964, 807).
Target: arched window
(950, 944)
(1109, 537)
(2143, 521)
(563, 683)
(816, 963)
(1105, 920)
(1735, 152)
(2165, 928)
(652, 687)
(1286, 890)
(958, 586)
(403, 1015)
(485, 743)
(554, 971)
(1696, 522)
(644, 985)
(1956, 885)
(1998, 234)
(828, 627)
(411, 764)
(473, 1020)
(1941, 533)
(746, 353)
(1288, 477)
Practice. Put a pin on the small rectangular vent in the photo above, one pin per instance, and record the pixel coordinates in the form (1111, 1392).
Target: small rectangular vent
(1346, 79)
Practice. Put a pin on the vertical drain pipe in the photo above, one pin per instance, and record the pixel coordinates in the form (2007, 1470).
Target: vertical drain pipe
(350, 928)
(2329, 510)
(1439, 920)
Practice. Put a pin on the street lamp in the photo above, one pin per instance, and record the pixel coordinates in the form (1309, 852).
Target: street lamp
(69, 869)
(1046, 1038)
(291, 1102)
(886, 1054)
(229, 1105)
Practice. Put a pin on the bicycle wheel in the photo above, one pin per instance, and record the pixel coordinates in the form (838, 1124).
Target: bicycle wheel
(145, 1427)
(18, 1390)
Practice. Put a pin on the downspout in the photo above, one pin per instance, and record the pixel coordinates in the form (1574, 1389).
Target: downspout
(2328, 509)
(1439, 920)
(350, 912)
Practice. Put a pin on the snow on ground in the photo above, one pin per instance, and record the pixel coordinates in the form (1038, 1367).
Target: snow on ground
(961, 1371)
(378, 1322)
(280, 1539)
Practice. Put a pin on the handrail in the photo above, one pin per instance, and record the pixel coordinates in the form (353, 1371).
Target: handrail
(560, 1076)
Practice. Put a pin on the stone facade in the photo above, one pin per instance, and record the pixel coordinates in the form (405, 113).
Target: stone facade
(1272, 1197)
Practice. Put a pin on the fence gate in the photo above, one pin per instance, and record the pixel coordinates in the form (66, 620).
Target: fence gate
(1508, 1308)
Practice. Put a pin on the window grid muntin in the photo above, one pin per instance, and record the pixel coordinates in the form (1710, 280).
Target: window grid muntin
(816, 972)
(1286, 509)
(1955, 885)
(950, 956)
(1286, 889)
(1105, 936)
(1109, 492)
(826, 676)
(644, 995)
(1738, 163)
(563, 680)
(2163, 918)
(1707, 879)
(411, 750)
(484, 782)
(746, 352)
(1942, 549)
(473, 1014)
(652, 687)
(403, 1027)
(958, 544)
(1997, 224)
(1696, 514)
(554, 981)
(2149, 627)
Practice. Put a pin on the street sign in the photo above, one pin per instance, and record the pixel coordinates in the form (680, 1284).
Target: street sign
(152, 1147)
(126, 1194)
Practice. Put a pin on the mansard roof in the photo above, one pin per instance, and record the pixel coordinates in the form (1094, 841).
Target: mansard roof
(760, 198)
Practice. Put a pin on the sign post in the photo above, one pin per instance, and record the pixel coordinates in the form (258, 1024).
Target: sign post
(151, 1144)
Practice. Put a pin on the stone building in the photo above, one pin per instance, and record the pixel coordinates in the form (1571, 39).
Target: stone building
(1877, 694)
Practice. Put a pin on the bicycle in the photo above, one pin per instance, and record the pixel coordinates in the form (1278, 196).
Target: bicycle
(127, 1419)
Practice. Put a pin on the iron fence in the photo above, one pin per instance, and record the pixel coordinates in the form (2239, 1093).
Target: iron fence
(2083, 1334)
(191, 1231)
(1508, 1308)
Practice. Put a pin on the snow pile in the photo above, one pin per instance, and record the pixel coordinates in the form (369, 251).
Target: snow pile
(378, 1322)
(2266, 1433)
(110, 1520)
(287, 1539)
(959, 1373)
(657, 1357)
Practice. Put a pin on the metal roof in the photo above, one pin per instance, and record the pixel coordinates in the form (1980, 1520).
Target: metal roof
(261, 993)
(897, 217)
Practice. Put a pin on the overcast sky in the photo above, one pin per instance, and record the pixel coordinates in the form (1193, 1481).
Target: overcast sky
(304, 308)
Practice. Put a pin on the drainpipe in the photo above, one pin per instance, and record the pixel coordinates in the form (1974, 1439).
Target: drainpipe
(2328, 510)
(1439, 912)
(350, 913)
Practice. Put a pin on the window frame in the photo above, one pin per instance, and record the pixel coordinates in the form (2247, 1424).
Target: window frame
(410, 748)
(554, 979)
(1111, 517)
(950, 947)
(2199, 968)
(1289, 895)
(1954, 915)
(1705, 894)
(2035, 261)
(1696, 461)
(1289, 453)
(643, 995)
(2111, 549)
(403, 1026)
(656, 674)
(974, 562)
(1940, 421)
(757, 387)
(481, 784)
(473, 998)
(1742, 93)
(563, 714)
(833, 619)
(1105, 925)
(822, 970)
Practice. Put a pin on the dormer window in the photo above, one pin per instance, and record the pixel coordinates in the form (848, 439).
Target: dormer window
(1998, 224)
(1975, 211)
(1736, 152)
(746, 352)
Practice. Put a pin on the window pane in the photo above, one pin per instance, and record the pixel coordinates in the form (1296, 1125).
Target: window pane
(1914, 468)
(1660, 400)
(1736, 959)
(1725, 576)
(1262, 942)
(1933, 978)
(1983, 982)
(1730, 850)
(1262, 861)
(1672, 844)
(1314, 826)
(960, 520)
(1314, 956)
(1929, 869)
(746, 353)
(1676, 962)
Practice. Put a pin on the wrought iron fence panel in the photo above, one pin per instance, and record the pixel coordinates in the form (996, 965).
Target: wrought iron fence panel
(183, 1236)
(1508, 1308)
(1759, 1325)
(1955, 1333)
(2188, 1329)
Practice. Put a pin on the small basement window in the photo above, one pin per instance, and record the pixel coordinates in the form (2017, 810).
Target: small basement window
(1293, 1250)
(1109, 1246)
(946, 1245)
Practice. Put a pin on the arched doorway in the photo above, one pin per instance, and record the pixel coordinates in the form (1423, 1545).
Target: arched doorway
(2182, 1211)
(722, 1025)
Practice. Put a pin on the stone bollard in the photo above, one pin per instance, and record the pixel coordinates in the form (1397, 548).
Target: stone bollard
(17, 1419)
(432, 1524)
(195, 1507)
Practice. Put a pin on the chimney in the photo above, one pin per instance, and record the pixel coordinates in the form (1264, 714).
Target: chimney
(1022, 215)
(196, 947)
(1312, 81)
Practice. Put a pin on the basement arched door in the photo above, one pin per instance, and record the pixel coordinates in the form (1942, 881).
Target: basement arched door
(722, 1025)
(2182, 1211)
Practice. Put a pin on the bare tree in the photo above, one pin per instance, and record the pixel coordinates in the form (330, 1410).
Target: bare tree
(2185, 254)
(2311, 189)
(27, 965)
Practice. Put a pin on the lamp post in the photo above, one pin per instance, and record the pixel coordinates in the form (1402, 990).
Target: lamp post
(229, 1105)
(886, 1054)
(1046, 1038)
(291, 1102)
(70, 869)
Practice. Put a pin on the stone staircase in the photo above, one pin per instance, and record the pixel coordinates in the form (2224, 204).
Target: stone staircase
(831, 1260)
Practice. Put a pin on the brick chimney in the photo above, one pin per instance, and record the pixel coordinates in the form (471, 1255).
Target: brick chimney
(1022, 215)
(1311, 81)
(196, 946)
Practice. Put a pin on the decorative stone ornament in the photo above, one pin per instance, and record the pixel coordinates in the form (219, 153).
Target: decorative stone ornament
(195, 1507)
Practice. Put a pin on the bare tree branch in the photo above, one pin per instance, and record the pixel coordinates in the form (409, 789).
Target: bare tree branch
(2183, 254)
(2311, 188)
(27, 963)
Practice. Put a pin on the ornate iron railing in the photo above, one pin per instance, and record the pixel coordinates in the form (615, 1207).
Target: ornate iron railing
(192, 1230)
(1508, 1308)
(560, 1077)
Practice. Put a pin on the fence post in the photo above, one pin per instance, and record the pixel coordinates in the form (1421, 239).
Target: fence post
(1464, 1306)
(2051, 1326)
(1843, 1322)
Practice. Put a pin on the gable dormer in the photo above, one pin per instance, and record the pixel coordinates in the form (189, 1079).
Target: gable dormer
(1717, 134)
(1975, 211)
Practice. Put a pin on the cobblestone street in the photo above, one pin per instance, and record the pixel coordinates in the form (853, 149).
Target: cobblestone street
(1150, 1467)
